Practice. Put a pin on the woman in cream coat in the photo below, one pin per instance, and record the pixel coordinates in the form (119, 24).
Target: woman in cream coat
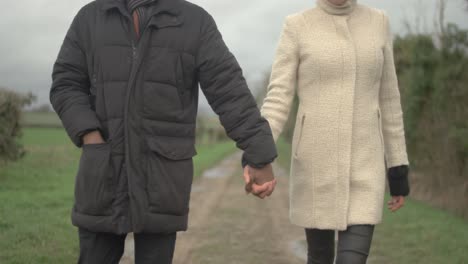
(338, 58)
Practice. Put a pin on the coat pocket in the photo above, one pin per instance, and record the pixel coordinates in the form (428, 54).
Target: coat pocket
(187, 71)
(185, 78)
(170, 174)
(93, 195)
(160, 101)
(299, 139)
(379, 123)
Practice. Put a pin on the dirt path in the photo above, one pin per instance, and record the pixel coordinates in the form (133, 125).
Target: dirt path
(227, 226)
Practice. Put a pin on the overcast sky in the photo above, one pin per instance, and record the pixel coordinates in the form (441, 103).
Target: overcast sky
(32, 32)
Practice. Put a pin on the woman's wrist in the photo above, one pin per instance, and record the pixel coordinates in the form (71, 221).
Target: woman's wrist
(398, 180)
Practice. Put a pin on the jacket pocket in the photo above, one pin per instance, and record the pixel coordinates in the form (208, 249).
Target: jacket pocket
(301, 131)
(185, 78)
(93, 195)
(187, 69)
(379, 123)
(169, 174)
(161, 101)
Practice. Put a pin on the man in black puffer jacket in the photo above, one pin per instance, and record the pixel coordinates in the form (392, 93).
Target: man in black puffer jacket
(125, 85)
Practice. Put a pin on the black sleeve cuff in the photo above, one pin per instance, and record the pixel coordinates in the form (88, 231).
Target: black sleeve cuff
(398, 180)
(258, 166)
(84, 132)
(260, 151)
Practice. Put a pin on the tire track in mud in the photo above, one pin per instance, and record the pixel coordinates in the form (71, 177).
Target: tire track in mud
(227, 226)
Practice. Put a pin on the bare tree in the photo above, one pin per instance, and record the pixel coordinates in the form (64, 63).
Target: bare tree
(439, 20)
(416, 22)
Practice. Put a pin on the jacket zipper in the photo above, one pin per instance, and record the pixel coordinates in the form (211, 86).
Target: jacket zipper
(136, 61)
(300, 135)
(180, 82)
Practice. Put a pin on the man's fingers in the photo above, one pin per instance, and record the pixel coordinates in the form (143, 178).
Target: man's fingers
(246, 175)
(247, 180)
(248, 188)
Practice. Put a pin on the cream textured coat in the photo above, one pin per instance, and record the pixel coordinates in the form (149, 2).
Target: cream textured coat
(340, 63)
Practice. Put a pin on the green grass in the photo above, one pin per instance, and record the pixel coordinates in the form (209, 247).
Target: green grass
(36, 195)
(41, 119)
(284, 153)
(211, 154)
(417, 234)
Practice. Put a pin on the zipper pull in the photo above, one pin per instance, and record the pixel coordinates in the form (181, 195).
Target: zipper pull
(134, 51)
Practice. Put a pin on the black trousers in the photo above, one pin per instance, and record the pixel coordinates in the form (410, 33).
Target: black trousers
(353, 245)
(105, 248)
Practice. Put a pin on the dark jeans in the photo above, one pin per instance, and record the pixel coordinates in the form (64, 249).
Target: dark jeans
(105, 248)
(353, 245)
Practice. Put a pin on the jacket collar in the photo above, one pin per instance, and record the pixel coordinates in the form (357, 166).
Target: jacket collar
(162, 6)
(345, 9)
(165, 13)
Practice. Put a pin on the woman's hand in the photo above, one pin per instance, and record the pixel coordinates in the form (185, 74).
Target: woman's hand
(396, 203)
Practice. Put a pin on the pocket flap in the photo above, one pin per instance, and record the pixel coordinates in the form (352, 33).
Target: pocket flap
(174, 148)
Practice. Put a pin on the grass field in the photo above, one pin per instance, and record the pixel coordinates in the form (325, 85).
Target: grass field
(41, 119)
(421, 234)
(284, 153)
(36, 196)
(417, 234)
(208, 155)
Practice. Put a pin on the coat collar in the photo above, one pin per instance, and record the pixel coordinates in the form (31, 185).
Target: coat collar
(165, 13)
(166, 6)
(345, 9)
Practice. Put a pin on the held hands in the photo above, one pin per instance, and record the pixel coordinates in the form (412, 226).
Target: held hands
(259, 182)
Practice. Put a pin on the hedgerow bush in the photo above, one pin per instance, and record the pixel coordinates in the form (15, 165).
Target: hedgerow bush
(11, 104)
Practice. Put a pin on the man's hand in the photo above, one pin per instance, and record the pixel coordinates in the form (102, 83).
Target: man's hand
(93, 137)
(396, 203)
(260, 182)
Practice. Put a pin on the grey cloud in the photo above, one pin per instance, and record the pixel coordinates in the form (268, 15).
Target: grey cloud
(251, 29)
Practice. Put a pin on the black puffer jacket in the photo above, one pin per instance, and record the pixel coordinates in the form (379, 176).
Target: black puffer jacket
(143, 96)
